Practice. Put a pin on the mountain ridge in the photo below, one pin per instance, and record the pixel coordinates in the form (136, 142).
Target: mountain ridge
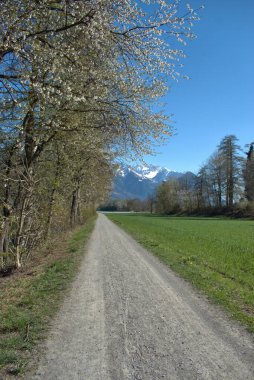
(140, 181)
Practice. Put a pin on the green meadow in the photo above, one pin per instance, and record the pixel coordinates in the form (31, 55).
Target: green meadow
(214, 254)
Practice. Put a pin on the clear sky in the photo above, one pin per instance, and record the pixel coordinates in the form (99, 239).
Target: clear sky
(218, 100)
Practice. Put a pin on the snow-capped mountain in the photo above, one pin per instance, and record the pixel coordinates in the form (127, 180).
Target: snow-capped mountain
(139, 181)
(156, 174)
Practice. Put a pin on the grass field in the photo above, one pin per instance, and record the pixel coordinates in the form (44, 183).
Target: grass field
(216, 255)
(30, 298)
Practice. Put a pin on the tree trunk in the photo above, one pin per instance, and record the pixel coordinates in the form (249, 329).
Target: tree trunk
(75, 207)
(18, 245)
(28, 128)
(52, 196)
(6, 211)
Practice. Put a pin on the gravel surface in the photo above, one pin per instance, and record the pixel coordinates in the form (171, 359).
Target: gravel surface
(129, 317)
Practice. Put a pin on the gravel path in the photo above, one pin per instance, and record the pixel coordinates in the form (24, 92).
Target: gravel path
(129, 317)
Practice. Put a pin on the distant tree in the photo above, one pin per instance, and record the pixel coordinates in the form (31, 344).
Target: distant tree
(167, 197)
(135, 205)
(216, 179)
(150, 203)
(249, 174)
(202, 189)
(229, 152)
(211, 182)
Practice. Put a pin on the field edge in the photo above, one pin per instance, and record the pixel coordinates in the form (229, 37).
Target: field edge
(213, 284)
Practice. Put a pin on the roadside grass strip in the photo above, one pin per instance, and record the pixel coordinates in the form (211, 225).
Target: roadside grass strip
(29, 299)
(214, 254)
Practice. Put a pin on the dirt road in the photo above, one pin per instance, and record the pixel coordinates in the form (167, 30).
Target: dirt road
(128, 317)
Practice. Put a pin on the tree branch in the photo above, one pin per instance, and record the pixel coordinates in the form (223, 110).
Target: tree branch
(4, 52)
(89, 16)
(8, 77)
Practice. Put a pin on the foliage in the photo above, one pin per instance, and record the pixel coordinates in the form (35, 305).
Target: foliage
(249, 175)
(77, 84)
(231, 167)
(216, 255)
(217, 188)
(168, 195)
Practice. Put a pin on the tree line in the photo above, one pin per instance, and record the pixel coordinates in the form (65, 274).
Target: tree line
(77, 82)
(225, 183)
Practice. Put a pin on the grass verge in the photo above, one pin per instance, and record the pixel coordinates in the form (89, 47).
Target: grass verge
(214, 254)
(29, 299)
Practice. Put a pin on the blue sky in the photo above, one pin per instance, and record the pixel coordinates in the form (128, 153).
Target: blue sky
(219, 98)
